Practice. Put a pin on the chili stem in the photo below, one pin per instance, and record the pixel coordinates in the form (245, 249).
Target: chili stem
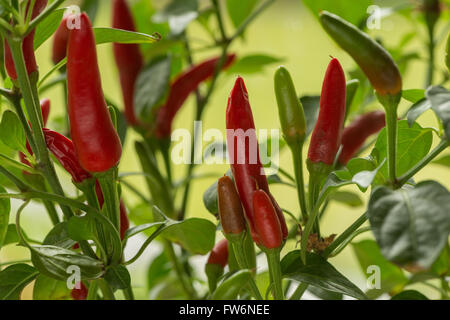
(108, 183)
(299, 177)
(431, 48)
(108, 294)
(92, 293)
(298, 293)
(273, 260)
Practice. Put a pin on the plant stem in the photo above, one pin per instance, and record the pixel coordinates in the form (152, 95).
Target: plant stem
(52, 7)
(92, 293)
(128, 293)
(298, 293)
(273, 259)
(297, 155)
(108, 183)
(431, 48)
(108, 294)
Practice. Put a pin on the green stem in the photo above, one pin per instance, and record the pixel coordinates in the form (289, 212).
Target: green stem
(93, 288)
(273, 260)
(313, 193)
(108, 294)
(128, 293)
(298, 293)
(108, 183)
(431, 48)
(51, 212)
(297, 155)
(52, 7)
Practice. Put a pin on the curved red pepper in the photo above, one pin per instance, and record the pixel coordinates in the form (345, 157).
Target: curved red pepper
(219, 254)
(248, 173)
(181, 88)
(326, 138)
(80, 294)
(60, 39)
(128, 57)
(357, 133)
(27, 46)
(64, 151)
(96, 141)
(267, 224)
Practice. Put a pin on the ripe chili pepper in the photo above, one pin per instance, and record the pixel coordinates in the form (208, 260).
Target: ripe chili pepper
(181, 88)
(326, 137)
(96, 141)
(230, 207)
(373, 59)
(80, 294)
(290, 109)
(27, 46)
(128, 57)
(243, 151)
(64, 151)
(60, 39)
(357, 133)
(267, 224)
(217, 261)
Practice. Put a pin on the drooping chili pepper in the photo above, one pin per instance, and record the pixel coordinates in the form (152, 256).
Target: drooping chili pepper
(27, 46)
(243, 152)
(80, 294)
(181, 88)
(128, 57)
(230, 207)
(267, 224)
(96, 141)
(326, 137)
(217, 261)
(357, 133)
(64, 151)
(372, 58)
(60, 39)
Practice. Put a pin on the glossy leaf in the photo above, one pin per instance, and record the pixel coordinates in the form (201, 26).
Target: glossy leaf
(59, 237)
(47, 27)
(46, 288)
(109, 35)
(413, 95)
(11, 131)
(254, 63)
(118, 277)
(229, 289)
(14, 279)
(440, 103)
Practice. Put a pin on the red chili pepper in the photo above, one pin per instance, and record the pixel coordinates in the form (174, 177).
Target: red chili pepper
(60, 39)
(181, 88)
(357, 133)
(326, 138)
(219, 254)
(230, 207)
(96, 141)
(267, 224)
(244, 153)
(27, 46)
(80, 294)
(128, 58)
(64, 151)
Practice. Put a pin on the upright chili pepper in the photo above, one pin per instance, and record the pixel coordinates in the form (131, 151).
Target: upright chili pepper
(128, 57)
(267, 224)
(357, 133)
(373, 59)
(96, 141)
(60, 39)
(243, 150)
(27, 46)
(80, 294)
(181, 88)
(230, 207)
(217, 261)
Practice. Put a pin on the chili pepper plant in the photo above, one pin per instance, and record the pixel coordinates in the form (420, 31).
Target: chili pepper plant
(355, 142)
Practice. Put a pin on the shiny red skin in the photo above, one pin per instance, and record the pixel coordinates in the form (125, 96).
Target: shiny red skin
(128, 57)
(267, 224)
(247, 176)
(27, 46)
(60, 39)
(181, 88)
(64, 151)
(80, 294)
(326, 137)
(356, 134)
(219, 254)
(96, 141)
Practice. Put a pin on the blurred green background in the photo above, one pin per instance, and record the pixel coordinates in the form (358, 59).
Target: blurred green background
(289, 31)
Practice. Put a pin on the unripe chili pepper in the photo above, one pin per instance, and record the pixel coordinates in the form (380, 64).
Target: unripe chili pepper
(217, 261)
(128, 57)
(290, 109)
(80, 294)
(247, 170)
(60, 39)
(27, 46)
(432, 11)
(267, 224)
(181, 88)
(357, 133)
(372, 58)
(230, 207)
(96, 141)
(326, 137)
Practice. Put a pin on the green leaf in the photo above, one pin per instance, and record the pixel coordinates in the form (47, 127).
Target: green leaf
(413, 95)
(47, 27)
(46, 288)
(14, 279)
(350, 199)
(239, 10)
(11, 132)
(318, 272)
(254, 63)
(311, 107)
(416, 110)
(229, 289)
(178, 13)
(151, 87)
(355, 13)
(325, 294)
(413, 145)
(11, 235)
(159, 269)
(443, 161)
(440, 103)
(141, 228)
(392, 278)
(118, 277)
(59, 237)
(81, 228)
(5, 208)
(109, 35)
(91, 8)
(55, 261)
(411, 225)
(409, 295)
